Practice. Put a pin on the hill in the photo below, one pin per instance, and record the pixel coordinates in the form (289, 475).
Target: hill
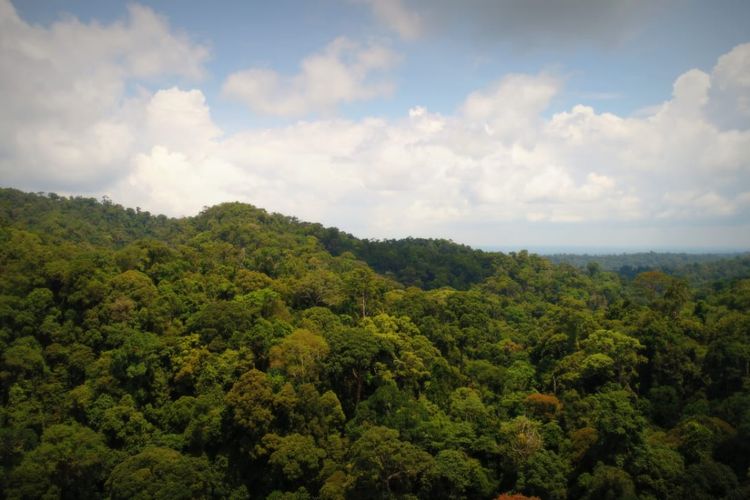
(244, 354)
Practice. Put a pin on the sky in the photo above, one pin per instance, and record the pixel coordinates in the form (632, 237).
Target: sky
(496, 123)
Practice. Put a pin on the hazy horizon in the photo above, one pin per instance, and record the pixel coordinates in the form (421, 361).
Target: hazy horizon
(598, 251)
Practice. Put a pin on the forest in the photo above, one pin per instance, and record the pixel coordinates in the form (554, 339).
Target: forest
(698, 268)
(242, 354)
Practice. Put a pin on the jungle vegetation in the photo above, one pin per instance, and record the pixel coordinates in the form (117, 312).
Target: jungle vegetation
(244, 354)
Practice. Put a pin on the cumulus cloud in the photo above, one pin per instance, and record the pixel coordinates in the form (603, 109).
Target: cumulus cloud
(520, 22)
(497, 160)
(497, 163)
(66, 120)
(344, 71)
(428, 169)
(512, 107)
(180, 121)
(730, 90)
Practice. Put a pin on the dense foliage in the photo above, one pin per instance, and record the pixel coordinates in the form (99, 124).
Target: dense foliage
(419, 262)
(241, 354)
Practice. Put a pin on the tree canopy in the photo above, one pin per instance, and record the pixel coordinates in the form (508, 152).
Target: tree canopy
(243, 354)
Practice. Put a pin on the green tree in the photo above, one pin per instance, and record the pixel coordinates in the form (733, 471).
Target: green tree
(160, 473)
(457, 475)
(300, 355)
(607, 483)
(352, 358)
(251, 401)
(383, 465)
(71, 462)
(295, 456)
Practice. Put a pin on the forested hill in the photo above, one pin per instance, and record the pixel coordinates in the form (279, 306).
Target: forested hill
(425, 263)
(420, 262)
(241, 354)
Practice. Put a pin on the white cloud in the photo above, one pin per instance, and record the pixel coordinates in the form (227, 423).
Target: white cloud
(497, 162)
(343, 72)
(691, 204)
(180, 121)
(174, 182)
(66, 121)
(511, 108)
(730, 90)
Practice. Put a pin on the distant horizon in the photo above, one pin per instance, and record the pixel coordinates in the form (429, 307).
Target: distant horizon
(613, 250)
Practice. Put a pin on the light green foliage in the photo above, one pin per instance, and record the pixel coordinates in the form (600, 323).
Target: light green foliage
(300, 355)
(621, 349)
(605, 356)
